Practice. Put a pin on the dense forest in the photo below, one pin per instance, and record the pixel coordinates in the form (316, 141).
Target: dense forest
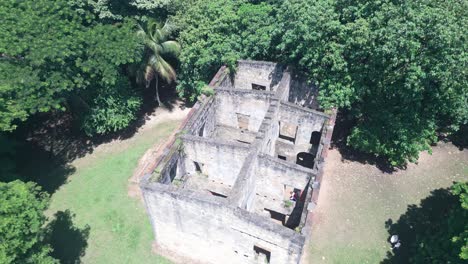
(396, 70)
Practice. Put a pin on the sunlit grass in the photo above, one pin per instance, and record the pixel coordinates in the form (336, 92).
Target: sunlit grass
(120, 231)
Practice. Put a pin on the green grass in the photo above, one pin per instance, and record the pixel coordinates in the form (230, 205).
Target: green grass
(357, 199)
(120, 231)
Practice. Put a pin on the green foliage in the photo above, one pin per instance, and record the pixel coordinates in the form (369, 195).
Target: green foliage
(287, 203)
(118, 10)
(409, 71)
(399, 65)
(216, 33)
(461, 190)
(39, 70)
(8, 148)
(158, 50)
(111, 110)
(207, 90)
(21, 224)
(312, 37)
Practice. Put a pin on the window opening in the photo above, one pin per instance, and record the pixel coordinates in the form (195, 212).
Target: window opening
(197, 167)
(315, 138)
(287, 131)
(262, 255)
(258, 87)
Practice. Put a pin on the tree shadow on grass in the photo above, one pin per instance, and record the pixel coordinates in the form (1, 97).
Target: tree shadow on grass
(344, 124)
(68, 242)
(426, 231)
(29, 162)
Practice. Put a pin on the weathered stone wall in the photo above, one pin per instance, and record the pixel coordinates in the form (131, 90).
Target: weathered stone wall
(273, 176)
(307, 121)
(243, 191)
(206, 229)
(218, 160)
(284, 86)
(204, 121)
(190, 217)
(263, 73)
(174, 167)
(252, 104)
(302, 92)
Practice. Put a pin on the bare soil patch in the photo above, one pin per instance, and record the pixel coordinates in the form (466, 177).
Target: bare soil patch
(357, 198)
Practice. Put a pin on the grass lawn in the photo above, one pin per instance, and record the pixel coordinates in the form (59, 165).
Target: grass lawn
(357, 199)
(119, 229)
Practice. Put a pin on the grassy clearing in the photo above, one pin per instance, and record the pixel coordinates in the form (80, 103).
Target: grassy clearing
(357, 199)
(120, 231)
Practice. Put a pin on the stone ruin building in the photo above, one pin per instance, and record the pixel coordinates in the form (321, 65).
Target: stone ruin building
(241, 180)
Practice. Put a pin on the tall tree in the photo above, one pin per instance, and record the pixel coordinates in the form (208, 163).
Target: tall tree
(22, 218)
(407, 61)
(219, 32)
(158, 48)
(49, 52)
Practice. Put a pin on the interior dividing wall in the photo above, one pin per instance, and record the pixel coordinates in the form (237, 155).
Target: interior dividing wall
(275, 179)
(262, 73)
(217, 160)
(232, 107)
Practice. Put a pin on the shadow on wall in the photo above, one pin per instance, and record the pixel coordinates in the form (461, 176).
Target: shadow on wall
(276, 75)
(426, 231)
(342, 130)
(68, 241)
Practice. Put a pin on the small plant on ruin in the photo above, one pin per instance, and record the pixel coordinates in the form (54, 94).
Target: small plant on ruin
(287, 203)
(298, 229)
(177, 182)
(207, 90)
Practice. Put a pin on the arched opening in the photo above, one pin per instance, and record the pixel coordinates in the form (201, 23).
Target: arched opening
(315, 138)
(305, 159)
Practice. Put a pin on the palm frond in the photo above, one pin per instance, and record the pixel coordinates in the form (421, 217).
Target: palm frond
(168, 28)
(170, 47)
(141, 33)
(166, 71)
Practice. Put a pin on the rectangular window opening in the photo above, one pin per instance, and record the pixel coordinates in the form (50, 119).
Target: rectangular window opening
(258, 87)
(281, 157)
(262, 255)
(287, 131)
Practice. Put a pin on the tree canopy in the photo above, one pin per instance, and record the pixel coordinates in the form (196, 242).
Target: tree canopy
(399, 66)
(216, 33)
(22, 218)
(49, 52)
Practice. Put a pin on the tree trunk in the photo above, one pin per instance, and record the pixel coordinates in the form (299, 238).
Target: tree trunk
(157, 90)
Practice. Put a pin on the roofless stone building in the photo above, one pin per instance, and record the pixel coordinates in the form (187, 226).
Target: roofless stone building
(239, 183)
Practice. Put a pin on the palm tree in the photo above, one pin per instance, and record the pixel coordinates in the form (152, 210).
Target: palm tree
(157, 49)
